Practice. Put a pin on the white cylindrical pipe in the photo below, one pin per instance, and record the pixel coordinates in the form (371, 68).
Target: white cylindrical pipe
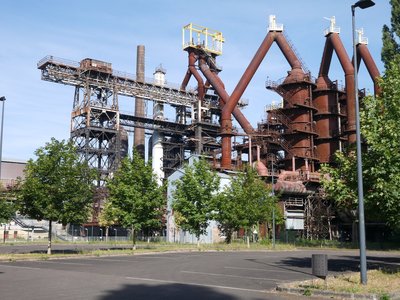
(157, 159)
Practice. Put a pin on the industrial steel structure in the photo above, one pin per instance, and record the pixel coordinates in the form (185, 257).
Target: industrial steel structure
(315, 119)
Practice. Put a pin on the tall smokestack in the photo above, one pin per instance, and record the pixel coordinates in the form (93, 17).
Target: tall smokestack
(138, 141)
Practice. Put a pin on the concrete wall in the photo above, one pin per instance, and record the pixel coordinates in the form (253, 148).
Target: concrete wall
(10, 171)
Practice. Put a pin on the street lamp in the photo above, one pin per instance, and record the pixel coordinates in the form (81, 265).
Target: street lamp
(363, 259)
(273, 208)
(2, 99)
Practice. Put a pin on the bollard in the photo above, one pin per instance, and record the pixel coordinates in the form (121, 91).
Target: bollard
(319, 265)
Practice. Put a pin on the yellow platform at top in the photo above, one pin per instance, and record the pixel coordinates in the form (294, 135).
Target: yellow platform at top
(209, 40)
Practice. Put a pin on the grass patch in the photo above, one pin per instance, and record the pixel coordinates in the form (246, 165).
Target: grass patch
(124, 248)
(380, 282)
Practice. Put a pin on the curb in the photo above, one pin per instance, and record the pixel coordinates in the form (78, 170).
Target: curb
(331, 294)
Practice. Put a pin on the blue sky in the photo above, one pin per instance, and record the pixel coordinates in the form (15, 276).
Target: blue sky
(36, 110)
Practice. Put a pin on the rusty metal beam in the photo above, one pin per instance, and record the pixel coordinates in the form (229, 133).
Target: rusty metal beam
(365, 55)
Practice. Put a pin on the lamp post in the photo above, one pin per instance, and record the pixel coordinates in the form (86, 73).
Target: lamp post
(273, 208)
(363, 259)
(87, 234)
(2, 99)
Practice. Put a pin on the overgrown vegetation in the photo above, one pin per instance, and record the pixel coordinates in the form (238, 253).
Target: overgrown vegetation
(380, 282)
(379, 126)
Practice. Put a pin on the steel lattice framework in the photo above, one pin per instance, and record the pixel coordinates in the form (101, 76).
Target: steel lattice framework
(96, 122)
(69, 72)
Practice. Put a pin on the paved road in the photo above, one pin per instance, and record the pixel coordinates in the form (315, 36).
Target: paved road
(194, 275)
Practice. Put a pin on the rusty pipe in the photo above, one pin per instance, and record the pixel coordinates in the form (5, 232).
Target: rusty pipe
(369, 62)
(185, 80)
(218, 85)
(226, 126)
(348, 69)
(193, 70)
(226, 122)
(287, 51)
(326, 59)
(188, 74)
(242, 120)
(246, 77)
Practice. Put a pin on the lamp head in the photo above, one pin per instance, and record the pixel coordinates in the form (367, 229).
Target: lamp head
(2, 98)
(364, 4)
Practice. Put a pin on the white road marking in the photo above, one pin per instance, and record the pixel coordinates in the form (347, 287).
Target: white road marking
(56, 262)
(226, 275)
(110, 260)
(254, 269)
(197, 284)
(19, 267)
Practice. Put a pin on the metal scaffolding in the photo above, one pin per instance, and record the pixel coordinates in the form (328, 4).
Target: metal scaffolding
(97, 123)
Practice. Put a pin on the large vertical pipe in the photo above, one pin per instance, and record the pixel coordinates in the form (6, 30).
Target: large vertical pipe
(193, 70)
(373, 71)
(139, 141)
(200, 95)
(325, 100)
(349, 81)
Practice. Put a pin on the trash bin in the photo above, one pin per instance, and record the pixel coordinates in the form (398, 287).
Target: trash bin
(319, 265)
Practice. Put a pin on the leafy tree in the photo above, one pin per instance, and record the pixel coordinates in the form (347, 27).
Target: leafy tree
(57, 186)
(107, 217)
(194, 197)
(381, 131)
(381, 158)
(7, 210)
(390, 36)
(246, 203)
(136, 200)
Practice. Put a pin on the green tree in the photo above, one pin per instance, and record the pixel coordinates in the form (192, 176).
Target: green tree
(7, 210)
(245, 203)
(136, 200)
(7, 207)
(391, 36)
(107, 217)
(193, 198)
(381, 158)
(57, 186)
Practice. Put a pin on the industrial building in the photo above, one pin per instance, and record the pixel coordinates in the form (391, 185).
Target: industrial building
(315, 118)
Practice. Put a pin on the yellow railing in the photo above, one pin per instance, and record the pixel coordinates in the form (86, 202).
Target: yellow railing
(195, 36)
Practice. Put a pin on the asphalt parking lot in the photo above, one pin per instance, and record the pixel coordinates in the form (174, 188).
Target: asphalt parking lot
(191, 275)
